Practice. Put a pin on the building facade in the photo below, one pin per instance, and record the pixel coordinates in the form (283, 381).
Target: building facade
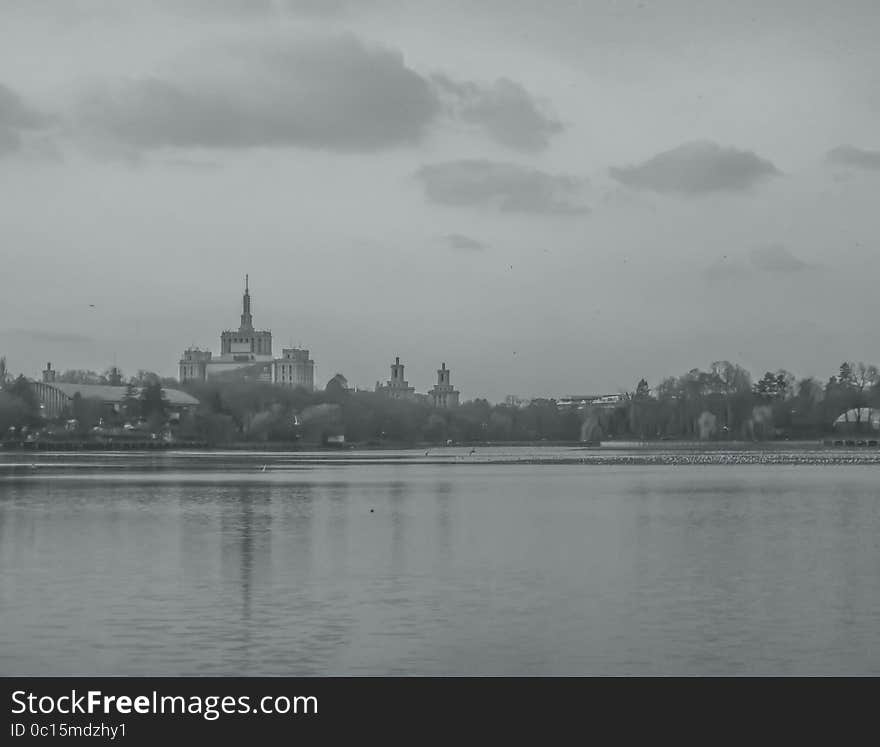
(444, 394)
(397, 387)
(248, 351)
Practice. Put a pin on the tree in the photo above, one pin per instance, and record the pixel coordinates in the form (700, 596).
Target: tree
(14, 414)
(143, 378)
(80, 376)
(152, 401)
(87, 412)
(131, 404)
(845, 379)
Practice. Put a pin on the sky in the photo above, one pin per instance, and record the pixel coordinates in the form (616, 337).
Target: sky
(551, 198)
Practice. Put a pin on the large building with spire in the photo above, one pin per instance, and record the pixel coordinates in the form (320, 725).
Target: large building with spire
(248, 352)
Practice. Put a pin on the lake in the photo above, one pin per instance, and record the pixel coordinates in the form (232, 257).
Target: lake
(449, 563)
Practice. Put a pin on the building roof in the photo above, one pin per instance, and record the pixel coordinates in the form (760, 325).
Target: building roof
(107, 393)
(860, 415)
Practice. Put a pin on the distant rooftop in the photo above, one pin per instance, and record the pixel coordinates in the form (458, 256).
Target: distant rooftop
(108, 393)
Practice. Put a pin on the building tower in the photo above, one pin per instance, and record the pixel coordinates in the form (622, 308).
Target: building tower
(247, 321)
(396, 387)
(246, 345)
(246, 353)
(48, 374)
(443, 394)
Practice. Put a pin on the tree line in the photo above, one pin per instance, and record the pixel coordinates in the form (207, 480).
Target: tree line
(722, 402)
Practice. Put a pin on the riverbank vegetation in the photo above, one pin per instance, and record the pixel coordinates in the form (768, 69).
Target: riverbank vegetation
(720, 403)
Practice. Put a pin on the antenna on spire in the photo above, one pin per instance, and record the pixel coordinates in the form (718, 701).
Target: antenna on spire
(245, 283)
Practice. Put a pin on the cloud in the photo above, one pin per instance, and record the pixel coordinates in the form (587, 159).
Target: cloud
(504, 186)
(257, 8)
(697, 167)
(727, 268)
(49, 336)
(849, 155)
(776, 258)
(773, 258)
(332, 93)
(460, 241)
(17, 118)
(505, 110)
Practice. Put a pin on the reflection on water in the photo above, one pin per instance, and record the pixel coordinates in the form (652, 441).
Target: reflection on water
(430, 569)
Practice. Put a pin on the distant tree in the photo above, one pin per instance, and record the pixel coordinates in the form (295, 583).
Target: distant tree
(152, 401)
(131, 404)
(865, 377)
(845, 378)
(143, 378)
(21, 388)
(435, 428)
(14, 414)
(80, 376)
(4, 372)
(87, 412)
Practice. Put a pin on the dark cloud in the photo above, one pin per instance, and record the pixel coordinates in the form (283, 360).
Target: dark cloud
(505, 186)
(776, 258)
(849, 155)
(337, 94)
(695, 168)
(505, 110)
(460, 241)
(16, 117)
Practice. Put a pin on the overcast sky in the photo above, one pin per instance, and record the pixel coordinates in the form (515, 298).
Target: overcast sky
(551, 197)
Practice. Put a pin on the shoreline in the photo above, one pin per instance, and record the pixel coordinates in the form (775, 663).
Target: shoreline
(272, 463)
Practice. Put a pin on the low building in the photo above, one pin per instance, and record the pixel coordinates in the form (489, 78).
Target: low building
(585, 401)
(56, 398)
(576, 401)
(858, 420)
(396, 387)
(443, 394)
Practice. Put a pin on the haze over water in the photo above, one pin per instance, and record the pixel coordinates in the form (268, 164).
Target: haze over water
(170, 566)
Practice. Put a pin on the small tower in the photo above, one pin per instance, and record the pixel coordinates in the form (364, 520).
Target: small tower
(115, 377)
(48, 374)
(397, 387)
(443, 394)
(396, 372)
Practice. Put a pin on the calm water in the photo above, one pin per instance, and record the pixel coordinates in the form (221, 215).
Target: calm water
(171, 565)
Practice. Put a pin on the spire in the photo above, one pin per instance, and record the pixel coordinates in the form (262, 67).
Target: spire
(247, 321)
